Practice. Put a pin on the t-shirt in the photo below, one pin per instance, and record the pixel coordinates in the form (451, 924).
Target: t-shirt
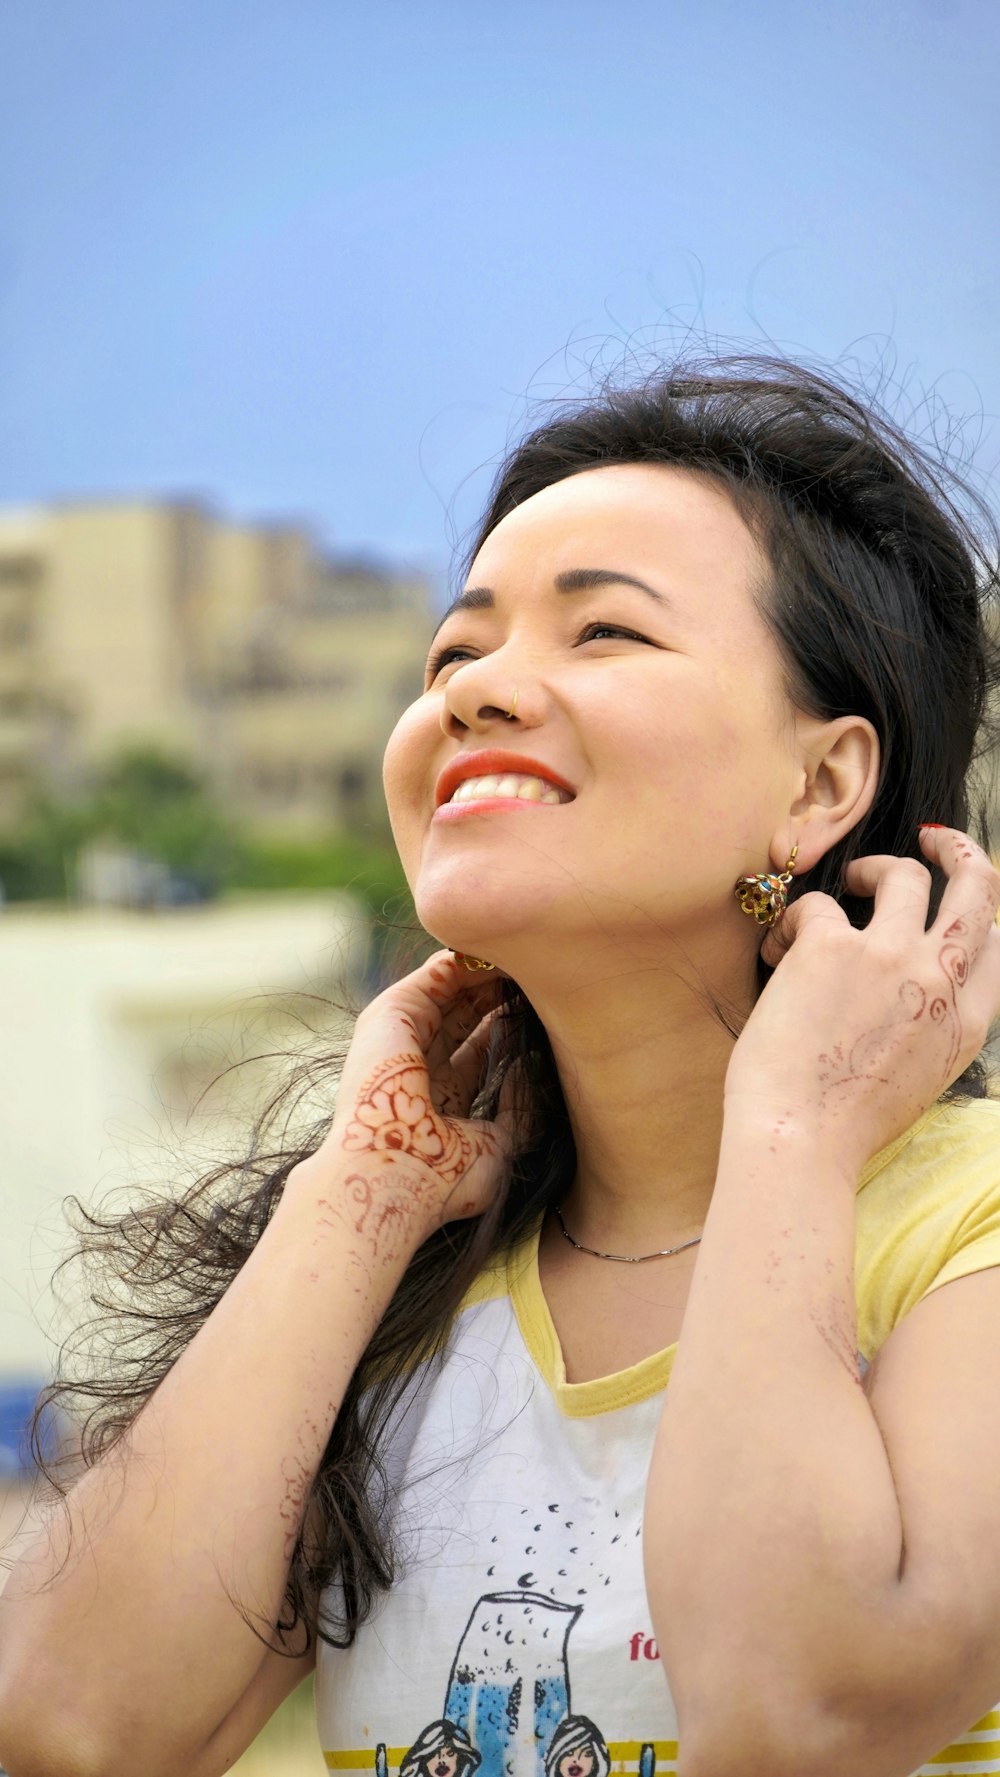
(517, 1639)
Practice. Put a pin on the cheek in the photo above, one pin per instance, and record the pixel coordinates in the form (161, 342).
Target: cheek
(405, 769)
(667, 746)
(699, 768)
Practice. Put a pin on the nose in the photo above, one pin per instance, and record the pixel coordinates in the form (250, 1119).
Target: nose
(480, 696)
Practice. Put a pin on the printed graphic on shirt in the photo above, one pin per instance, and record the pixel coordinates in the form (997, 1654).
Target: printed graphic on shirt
(508, 1704)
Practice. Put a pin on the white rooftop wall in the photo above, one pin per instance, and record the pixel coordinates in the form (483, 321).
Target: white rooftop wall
(111, 1023)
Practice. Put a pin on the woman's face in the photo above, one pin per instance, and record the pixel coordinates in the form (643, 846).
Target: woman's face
(444, 1762)
(577, 1764)
(660, 707)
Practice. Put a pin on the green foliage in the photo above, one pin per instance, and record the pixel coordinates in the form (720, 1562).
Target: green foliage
(339, 860)
(142, 799)
(37, 861)
(160, 807)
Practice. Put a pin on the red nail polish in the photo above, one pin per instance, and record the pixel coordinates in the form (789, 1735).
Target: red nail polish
(938, 825)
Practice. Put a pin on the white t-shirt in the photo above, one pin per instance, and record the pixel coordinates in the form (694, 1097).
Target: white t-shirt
(517, 1639)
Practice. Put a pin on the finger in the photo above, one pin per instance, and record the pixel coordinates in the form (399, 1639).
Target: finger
(468, 1063)
(901, 888)
(989, 969)
(802, 913)
(462, 1020)
(969, 904)
(428, 995)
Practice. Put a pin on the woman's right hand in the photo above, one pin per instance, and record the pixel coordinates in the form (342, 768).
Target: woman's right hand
(402, 1156)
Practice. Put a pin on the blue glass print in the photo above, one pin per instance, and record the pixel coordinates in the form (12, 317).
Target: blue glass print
(509, 1685)
(458, 1704)
(551, 1707)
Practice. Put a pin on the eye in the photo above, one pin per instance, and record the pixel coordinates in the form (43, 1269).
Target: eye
(443, 657)
(612, 629)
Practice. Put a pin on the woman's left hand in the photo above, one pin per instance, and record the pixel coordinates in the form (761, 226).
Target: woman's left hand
(858, 1032)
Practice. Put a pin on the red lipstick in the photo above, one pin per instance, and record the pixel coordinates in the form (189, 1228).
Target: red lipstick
(492, 762)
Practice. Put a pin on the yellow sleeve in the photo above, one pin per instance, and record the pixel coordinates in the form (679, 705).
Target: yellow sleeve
(928, 1212)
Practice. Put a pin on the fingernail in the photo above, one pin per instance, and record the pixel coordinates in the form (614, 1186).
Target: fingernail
(939, 825)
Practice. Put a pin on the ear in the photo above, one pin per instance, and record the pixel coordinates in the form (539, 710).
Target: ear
(837, 772)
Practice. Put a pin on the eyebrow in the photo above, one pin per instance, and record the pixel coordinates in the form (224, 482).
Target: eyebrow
(482, 598)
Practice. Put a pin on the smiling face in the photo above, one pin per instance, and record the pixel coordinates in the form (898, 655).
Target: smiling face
(659, 708)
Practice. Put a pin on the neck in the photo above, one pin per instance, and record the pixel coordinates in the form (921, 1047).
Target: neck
(642, 1062)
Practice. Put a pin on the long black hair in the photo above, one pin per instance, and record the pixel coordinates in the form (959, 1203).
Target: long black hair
(882, 597)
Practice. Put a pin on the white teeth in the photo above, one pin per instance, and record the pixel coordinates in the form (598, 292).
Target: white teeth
(523, 789)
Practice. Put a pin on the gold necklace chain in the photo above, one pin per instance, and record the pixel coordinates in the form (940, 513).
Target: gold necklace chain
(624, 1258)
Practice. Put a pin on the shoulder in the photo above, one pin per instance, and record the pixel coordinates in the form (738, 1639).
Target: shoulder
(928, 1211)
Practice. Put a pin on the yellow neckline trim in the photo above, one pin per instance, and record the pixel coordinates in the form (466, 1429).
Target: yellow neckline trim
(605, 1394)
(578, 1400)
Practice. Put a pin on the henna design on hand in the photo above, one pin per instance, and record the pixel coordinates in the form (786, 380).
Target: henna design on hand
(385, 1218)
(394, 1114)
(870, 1057)
(955, 963)
(913, 1000)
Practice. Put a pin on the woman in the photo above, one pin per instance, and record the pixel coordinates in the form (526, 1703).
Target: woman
(442, 1750)
(577, 1749)
(720, 633)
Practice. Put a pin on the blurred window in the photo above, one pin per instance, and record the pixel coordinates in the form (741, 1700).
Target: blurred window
(19, 570)
(353, 782)
(17, 702)
(16, 629)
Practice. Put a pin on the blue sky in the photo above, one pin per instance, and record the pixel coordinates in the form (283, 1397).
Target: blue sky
(318, 260)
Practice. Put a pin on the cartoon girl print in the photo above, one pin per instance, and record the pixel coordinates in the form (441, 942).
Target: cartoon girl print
(442, 1750)
(577, 1749)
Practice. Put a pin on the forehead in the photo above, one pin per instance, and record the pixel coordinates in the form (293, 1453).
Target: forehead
(669, 522)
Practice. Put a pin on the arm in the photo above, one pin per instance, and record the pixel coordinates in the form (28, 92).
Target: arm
(122, 1643)
(819, 1554)
(132, 1602)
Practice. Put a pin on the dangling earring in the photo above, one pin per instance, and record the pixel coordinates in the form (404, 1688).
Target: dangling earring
(766, 897)
(471, 962)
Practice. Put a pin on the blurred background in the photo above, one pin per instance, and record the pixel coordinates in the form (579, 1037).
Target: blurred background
(277, 285)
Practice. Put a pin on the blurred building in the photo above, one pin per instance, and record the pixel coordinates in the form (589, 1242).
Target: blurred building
(276, 668)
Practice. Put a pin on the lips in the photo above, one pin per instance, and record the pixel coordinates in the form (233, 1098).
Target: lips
(494, 762)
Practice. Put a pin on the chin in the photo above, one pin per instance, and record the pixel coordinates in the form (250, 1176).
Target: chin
(456, 935)
(473, 916)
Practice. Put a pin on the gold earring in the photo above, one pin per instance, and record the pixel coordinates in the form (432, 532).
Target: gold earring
(471, 962)
(765, 897)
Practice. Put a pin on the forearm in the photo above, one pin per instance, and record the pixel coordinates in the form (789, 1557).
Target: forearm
(773, 1530)
(134, 1604)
